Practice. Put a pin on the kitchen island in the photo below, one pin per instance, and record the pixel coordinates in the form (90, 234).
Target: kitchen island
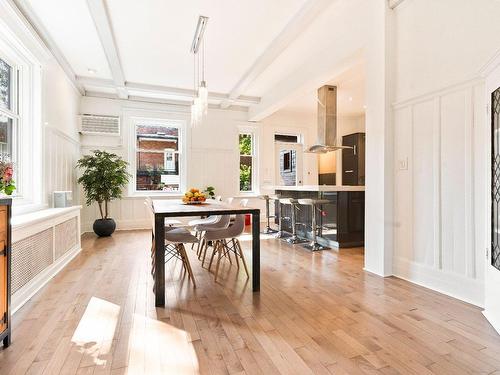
(343, 218)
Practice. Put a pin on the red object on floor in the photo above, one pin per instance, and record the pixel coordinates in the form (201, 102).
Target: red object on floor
(248, 219)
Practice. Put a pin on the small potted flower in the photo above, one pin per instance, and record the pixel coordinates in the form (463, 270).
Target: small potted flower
(7, 183)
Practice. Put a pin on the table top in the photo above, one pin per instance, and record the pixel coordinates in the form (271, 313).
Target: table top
(320, 188)
(175, 207)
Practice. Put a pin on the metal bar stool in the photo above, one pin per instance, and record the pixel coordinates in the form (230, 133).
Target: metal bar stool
(293, 203)
(268, 229)
(315, 206)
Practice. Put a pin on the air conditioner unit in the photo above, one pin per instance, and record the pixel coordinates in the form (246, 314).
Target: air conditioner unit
(100, 125)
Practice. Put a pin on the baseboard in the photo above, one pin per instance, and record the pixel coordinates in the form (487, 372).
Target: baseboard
(453, 285)
(494, 320)
(22, 296)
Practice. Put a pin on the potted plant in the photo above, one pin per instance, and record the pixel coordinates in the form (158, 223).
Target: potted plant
(7, 184)
(104, 176)
(210, 190)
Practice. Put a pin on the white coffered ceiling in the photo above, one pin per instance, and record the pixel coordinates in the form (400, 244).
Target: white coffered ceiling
(131, 48)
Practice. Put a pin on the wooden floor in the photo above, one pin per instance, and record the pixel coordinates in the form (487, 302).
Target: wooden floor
(316, 314)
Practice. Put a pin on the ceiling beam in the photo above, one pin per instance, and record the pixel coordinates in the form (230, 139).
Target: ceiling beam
(305, 79)
(189, 94)
(102, 23)
(186, 104)
(300, 21)
(29, 15)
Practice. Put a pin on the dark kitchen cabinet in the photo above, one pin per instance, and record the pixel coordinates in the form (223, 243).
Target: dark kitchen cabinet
(353, 159)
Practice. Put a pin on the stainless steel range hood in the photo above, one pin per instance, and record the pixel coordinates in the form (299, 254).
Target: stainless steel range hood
(327, 121)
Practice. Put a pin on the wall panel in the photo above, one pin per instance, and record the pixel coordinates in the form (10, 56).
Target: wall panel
(435, 237)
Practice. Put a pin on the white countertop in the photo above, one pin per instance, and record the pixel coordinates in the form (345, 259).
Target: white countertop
(320, 188)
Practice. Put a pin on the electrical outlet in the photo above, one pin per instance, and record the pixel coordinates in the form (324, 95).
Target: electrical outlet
(403, 164)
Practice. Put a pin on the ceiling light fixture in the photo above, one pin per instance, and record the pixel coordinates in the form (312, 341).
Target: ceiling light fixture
(199, 107)
(92, 71)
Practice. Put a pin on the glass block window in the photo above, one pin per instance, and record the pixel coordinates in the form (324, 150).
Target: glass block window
(495, 179)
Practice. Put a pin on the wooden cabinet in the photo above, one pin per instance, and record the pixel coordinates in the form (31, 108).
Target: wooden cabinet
(353, 159)
(5, 267)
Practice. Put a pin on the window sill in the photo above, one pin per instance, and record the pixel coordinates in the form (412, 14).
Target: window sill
(163, 194)
(249, 194)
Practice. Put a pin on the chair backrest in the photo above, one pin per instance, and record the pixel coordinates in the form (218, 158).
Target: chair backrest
(218, 198)
(234, 230)
(244, 202)
(229, 200)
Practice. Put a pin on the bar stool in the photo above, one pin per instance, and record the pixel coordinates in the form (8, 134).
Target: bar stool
(315, 206)
(268, 228)
(293, 203)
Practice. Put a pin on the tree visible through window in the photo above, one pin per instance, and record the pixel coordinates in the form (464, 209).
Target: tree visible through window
(246, 161)
(157, 157)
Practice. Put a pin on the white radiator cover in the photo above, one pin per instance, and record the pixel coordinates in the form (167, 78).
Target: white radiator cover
(43, 243)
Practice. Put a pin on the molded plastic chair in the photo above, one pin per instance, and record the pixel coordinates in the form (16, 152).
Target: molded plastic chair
(225, 241)
(175, 239)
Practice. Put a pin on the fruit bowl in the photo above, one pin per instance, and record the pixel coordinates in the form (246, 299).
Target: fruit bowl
(194, 196)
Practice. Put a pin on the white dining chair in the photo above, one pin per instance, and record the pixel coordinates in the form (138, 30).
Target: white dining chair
(175, 238)
(225, 241)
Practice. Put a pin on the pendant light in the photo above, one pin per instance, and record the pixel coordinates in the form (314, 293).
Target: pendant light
(199, 106)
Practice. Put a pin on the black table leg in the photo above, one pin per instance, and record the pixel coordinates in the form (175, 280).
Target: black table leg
(256, 252)
(159, 273)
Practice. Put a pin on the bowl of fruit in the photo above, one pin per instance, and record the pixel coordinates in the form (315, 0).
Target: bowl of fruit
(194, 196)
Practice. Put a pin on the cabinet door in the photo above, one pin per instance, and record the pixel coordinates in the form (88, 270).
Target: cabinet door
(3, 265)
(349, 161)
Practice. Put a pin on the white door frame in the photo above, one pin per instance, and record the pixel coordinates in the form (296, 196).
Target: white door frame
(492, 276)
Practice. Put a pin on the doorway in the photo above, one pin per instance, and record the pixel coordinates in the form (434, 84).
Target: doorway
(288, 163)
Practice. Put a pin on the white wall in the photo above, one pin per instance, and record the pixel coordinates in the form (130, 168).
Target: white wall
(56, 117)
(439, 122)
(212, 151)
(61, 148)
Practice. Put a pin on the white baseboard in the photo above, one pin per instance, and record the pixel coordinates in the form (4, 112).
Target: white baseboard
(22, 296)
(451, 284)
(494, 320)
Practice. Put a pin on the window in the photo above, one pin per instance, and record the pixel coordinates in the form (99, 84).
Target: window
(158, 156)
(247, 162)
(286, 138)
(9, 115)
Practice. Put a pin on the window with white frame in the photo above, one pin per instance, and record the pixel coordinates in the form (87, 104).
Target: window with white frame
(9, 110)
(9, 114)
(247, 162)
(158, 156)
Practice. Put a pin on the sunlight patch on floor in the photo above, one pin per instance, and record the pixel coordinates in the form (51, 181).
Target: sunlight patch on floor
(96, 329)
(156, 347)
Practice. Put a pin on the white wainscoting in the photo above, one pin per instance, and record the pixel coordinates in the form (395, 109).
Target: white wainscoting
(61, 154)
(437, 244)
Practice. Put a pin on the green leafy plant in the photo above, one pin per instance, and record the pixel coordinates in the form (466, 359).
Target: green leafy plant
(104, 176)
(210, 190)
(245, 177)
(7, 183)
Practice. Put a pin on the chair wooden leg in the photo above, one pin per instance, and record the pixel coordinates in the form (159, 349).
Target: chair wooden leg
(240, 250)
(235, 251)
(226, 251)
(220, 249)
(182, 251)
(215, 245)
(201, 243)
(204, 251)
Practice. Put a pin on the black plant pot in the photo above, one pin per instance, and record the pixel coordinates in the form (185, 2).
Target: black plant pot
(104, 227)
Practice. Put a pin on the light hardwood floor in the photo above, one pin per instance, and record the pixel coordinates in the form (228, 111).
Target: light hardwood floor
(316, 314)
